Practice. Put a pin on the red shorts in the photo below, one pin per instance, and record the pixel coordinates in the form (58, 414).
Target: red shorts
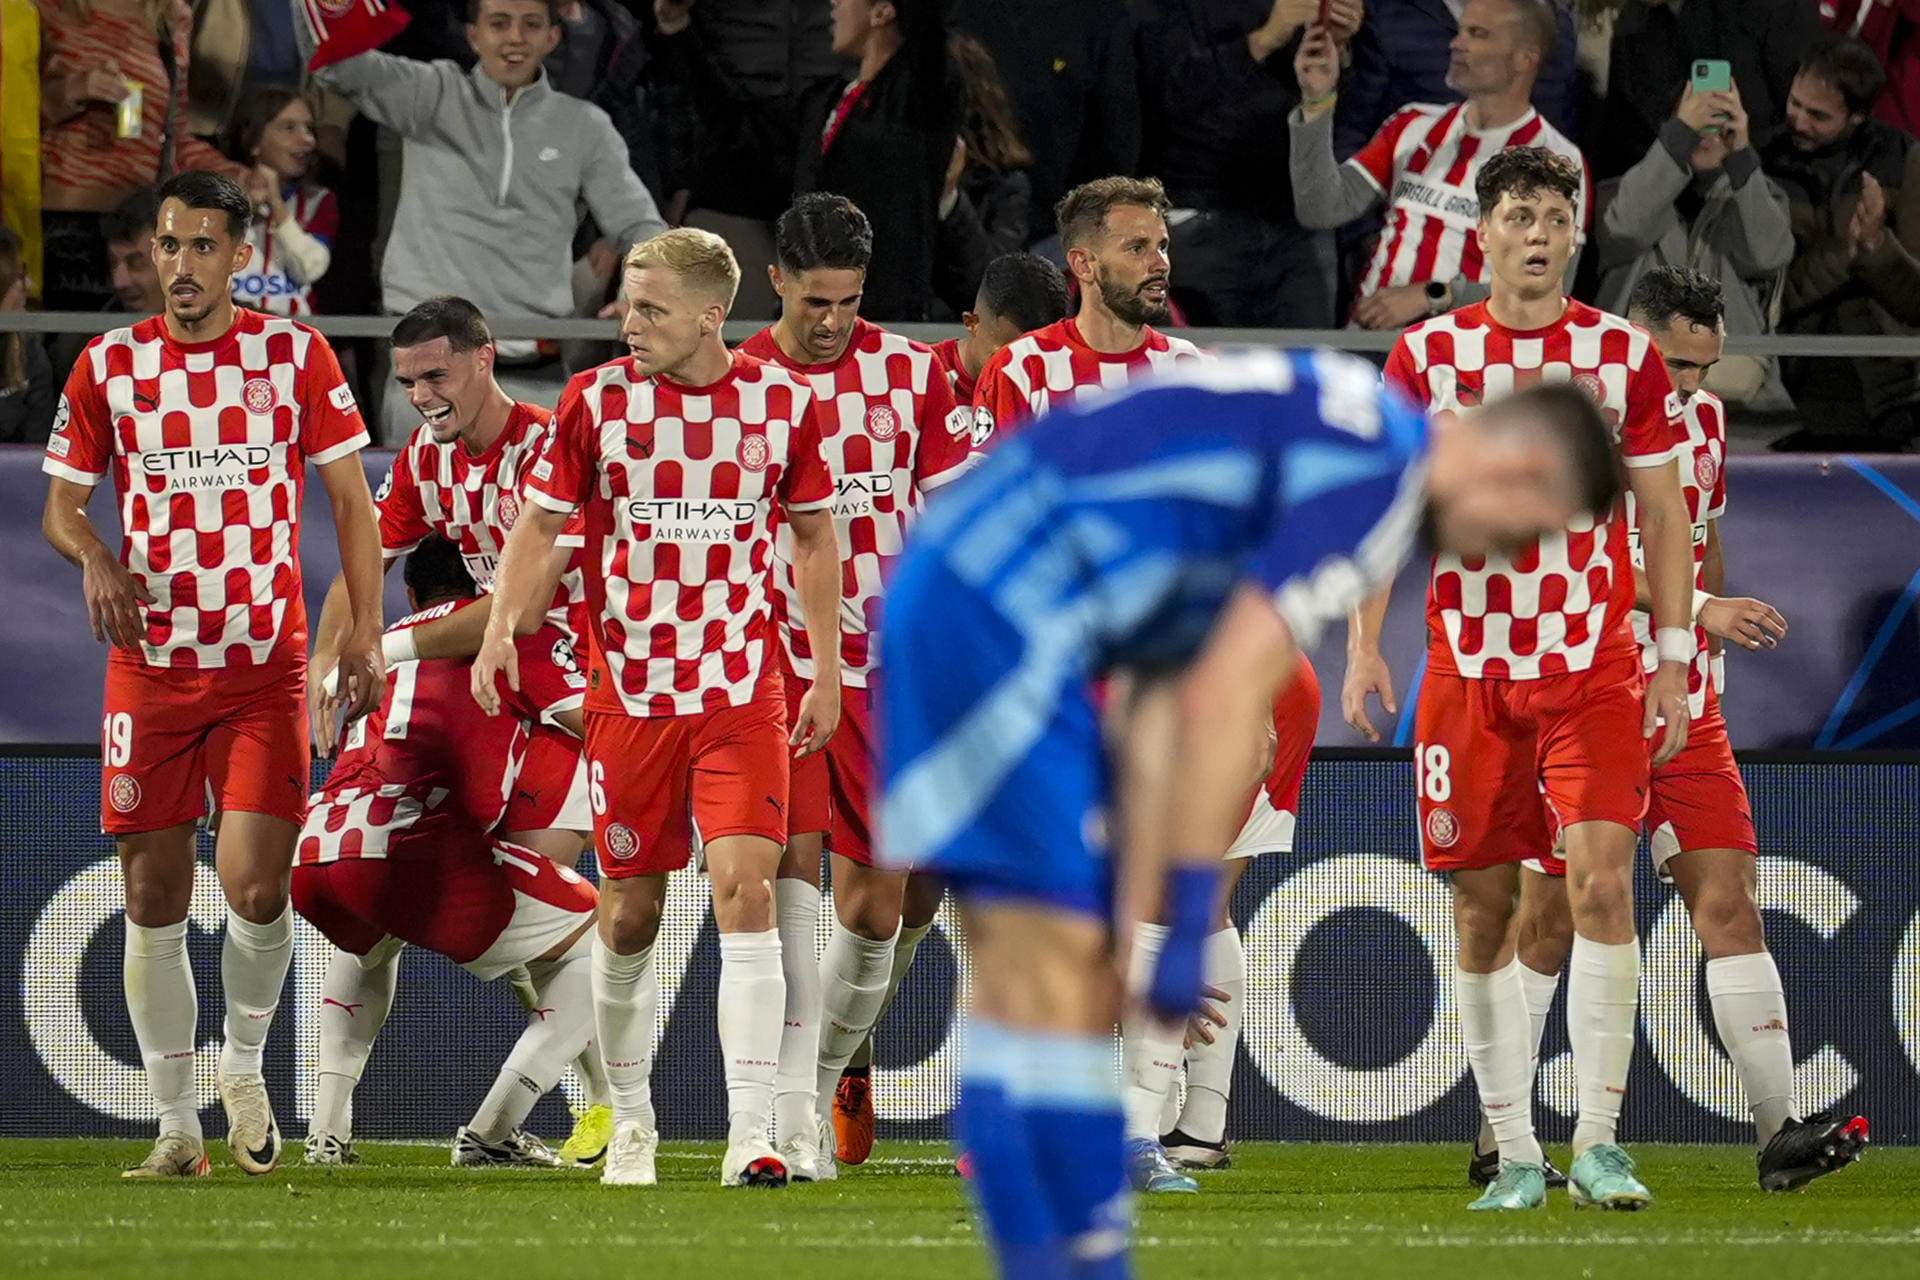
(1488, 751)
(172, 738)
(659, 783)
(1276, 802)
(1699, 799)
(550, 792)
(830, 788)
(481, 902)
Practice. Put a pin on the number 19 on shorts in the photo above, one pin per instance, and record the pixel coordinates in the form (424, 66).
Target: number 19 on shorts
(116, 740)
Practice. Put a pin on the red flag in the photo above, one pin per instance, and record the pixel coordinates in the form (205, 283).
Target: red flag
(344, 28)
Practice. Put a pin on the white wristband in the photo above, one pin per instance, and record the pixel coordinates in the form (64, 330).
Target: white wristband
(399, 646)
(1673, 644)
(1700, 601)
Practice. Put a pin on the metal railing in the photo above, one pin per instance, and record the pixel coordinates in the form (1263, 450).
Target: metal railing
(1901, 347)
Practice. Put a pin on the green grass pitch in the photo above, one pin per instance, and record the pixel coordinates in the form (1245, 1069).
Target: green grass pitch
(1345, 1212)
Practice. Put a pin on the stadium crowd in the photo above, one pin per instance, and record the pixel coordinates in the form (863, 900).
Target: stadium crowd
(509, 151)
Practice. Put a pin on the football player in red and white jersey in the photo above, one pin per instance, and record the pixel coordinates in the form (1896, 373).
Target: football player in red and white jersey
(892, 434)
(1534, 681)
(679, 455)
(1698, 814)
(402, 846)
(461, 477)
(1421, 163)
(207, 418)
(1019, 293)
(1114, 231)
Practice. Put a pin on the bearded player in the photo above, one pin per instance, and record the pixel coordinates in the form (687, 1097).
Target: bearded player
(1700, 821)
(402, 846)
(1115, 234)
(1534, 681)
(680, 455)
(1238, 507)
(207, 418)
(892, 434)
(461, 478)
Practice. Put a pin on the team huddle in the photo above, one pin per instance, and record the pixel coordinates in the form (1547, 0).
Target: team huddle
(1019, 618)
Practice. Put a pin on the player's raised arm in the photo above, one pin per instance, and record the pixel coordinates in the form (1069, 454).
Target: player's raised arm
(113, 595)
(521, 592)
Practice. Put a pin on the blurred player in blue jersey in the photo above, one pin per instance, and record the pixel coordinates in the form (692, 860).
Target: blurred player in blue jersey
(1183, 538)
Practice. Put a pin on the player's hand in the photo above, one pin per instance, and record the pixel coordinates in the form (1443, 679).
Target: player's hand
(1667, 701)
(1268, 753)
(1394, 307)
(321, 684)
(498, 656)
(1316, 65)
(1754, 624)
(1208, 1016)
(1366, 674)
(819, 717)
(363, 676)
(114, 600)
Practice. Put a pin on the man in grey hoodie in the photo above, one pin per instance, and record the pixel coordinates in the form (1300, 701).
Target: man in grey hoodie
(1698, 199)
(496, 164)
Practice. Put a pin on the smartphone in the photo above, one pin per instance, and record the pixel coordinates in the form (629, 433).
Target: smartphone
(1712, 75)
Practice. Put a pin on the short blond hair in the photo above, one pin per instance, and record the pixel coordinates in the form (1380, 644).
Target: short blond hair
(701, 258)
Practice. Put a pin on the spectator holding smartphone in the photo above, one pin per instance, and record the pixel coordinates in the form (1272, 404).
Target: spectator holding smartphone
(1698, 199)
(295, 217)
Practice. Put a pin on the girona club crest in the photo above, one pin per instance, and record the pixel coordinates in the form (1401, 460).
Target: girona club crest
(1443, 829)
(754, 452)
(1592, 386)
(1706, 470)
(622, 842)
(882, 422)
(258, 395)
(123, 793)
(507, 510)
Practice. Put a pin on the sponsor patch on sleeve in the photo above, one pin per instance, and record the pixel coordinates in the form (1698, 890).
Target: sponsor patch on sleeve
(59, 446)
(342, 397)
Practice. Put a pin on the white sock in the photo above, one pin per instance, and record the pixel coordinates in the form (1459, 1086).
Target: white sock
(1750, 1013)
(1603, 991)
(797, 904)
(165, 1010)
(356, 996)
(253, 969)
(1539, 988)
(753, 996)
(905, 947)
(1150, 1052)
(559, 1026)
(854, 976)
(1493, 1023)
(626, 1005)
(1210, 1066)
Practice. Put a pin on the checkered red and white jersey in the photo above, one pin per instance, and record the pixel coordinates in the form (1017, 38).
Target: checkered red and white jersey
(1703, 483)
(1562, 604)
(891, 433)
(947, 352)
(1055, 365)
(429, 758)
(679, 485)
(208, 444)
(1423, 162)
(472, 501)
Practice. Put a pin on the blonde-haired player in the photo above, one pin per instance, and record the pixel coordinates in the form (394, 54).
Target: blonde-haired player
(678, 453)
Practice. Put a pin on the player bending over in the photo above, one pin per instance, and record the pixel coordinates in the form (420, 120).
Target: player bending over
(400, 847)
(462, 477)
(1186, 536)
(891, 434)
(1700, 821)
(679, 455)
(207, 418)
(1534, 682)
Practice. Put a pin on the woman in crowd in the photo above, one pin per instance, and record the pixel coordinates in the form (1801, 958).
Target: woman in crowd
(294, 217)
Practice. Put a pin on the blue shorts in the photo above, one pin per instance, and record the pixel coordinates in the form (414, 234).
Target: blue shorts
(992, 768)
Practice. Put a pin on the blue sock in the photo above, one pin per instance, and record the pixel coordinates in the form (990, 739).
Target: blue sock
(1069, 1097)
(1006, 1181)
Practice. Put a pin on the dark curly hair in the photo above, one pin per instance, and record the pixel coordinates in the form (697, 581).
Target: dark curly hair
(1666, 294)
(1525, 171)
(821, 229)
